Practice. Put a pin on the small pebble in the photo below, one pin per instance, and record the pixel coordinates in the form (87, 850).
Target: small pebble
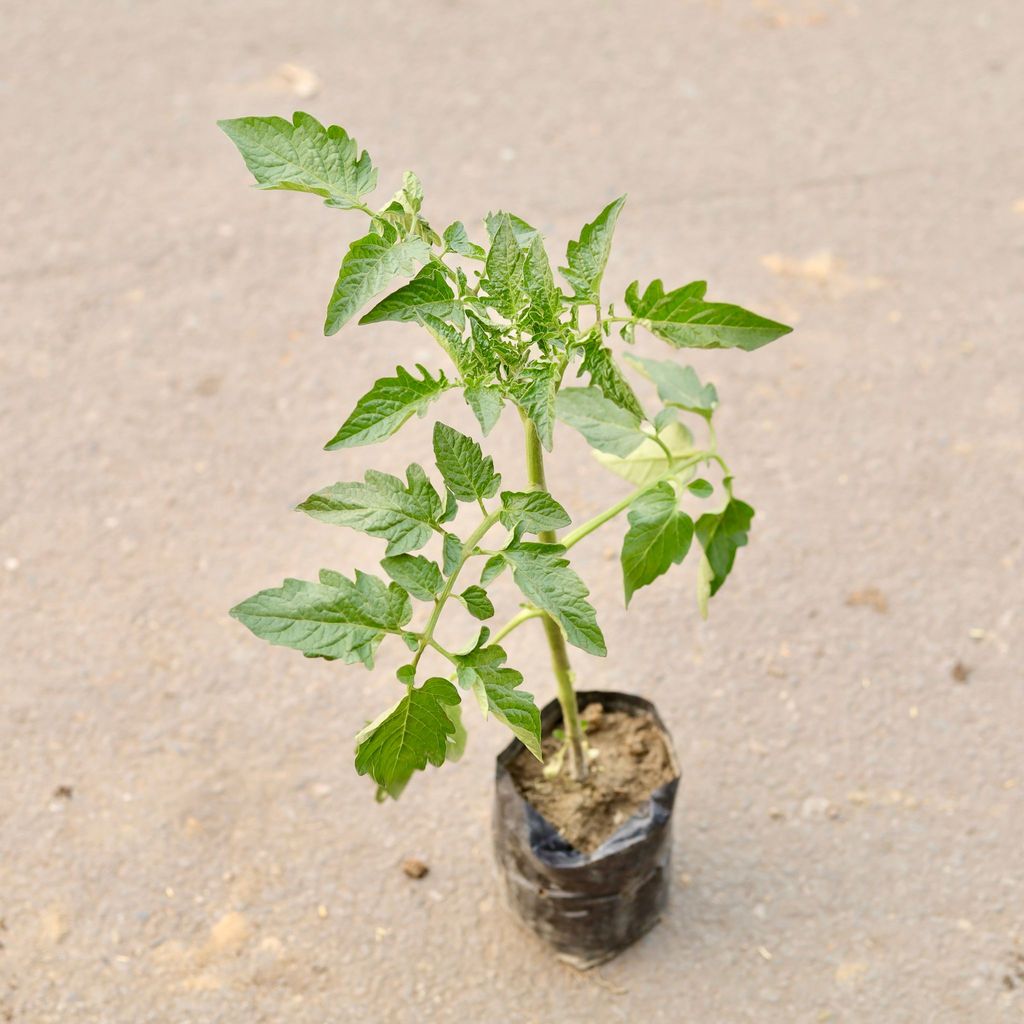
(414, 867)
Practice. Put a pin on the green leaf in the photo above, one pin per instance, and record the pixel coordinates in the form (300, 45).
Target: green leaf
(496, 690)
(701, 488)
(648, 462)
(410, 195)
(303, 156)
(416, 730)
(605, 374)
(451, 553)
(606, 426)
(588, 257)
(370, 264)
(335, 618)
(523, 232)
(457, 240)
(404, 516)
(541, 317)
(387, 406)
(477, 603)
(503, 270)
(659, 536)
(486, 403)
(428, 294)
(720, 535)
(418, 575)
(543, 574)
(534, 392)
(493, 568)
(532, 511)
(678, 385)
(685, 320)
(642, 305)
(468, 474)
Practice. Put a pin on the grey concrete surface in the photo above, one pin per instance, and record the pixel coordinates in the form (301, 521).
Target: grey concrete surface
(849, 831)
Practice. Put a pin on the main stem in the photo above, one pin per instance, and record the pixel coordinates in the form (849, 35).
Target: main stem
(556, 641)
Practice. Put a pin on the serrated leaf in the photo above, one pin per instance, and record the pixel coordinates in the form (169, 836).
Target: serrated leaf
(701, 488)
(659, 536)
(496, 690)
(532, 511)
(720, 535)
(428, 294)
(606, 426)
(685, 320)
(332, 619)
(386, 407)
(605, 374)
(451, 551)
(467, 472)
(370, 264)
(543, 574)
(524, 233)
(534, 393)
(640, 305)
(410, 195)
(588, 256)
(503, 270)
(493, 568)
(403, 515)
(418, 575)
(486, 403)
(408, 736)
(541, 318)
(457, 240)
(678, 385)
(477, 603)
(303, 156)
(648, 462)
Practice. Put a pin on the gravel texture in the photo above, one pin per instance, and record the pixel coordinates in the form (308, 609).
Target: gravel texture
(182, 837)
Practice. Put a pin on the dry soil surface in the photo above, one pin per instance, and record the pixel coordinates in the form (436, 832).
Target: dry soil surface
(183, 838)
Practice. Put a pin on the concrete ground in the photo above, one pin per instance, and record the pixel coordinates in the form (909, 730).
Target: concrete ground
(183, 838)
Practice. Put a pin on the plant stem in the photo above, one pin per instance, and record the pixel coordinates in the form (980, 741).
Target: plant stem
(427, 636)
(620, 506)
(515, 622)
(556, 641)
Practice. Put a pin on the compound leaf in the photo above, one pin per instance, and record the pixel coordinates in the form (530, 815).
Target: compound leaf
(720, 535)
(486, 403)
(588, 256)
(532, 511)
(418, 575)
(370, 264)
(685, 320)
(535, 393)
(408, 736)
(386, 407)
(427, 295)
(467, 472)
(303, 156)
(659, 536)
(335, 618)
(496, 690)
(543, 574)
(477, 603)
(606, 426)
(404, 515)
(678, 385)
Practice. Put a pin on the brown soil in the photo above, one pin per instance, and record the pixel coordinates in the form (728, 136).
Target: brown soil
(631, 761)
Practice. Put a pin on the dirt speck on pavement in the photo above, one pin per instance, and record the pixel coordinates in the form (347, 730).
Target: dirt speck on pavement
(853, 168)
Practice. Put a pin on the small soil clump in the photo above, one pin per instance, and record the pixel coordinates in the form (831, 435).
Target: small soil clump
(632, 760)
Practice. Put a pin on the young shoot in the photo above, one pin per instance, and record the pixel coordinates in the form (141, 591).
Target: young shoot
(510, 335)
